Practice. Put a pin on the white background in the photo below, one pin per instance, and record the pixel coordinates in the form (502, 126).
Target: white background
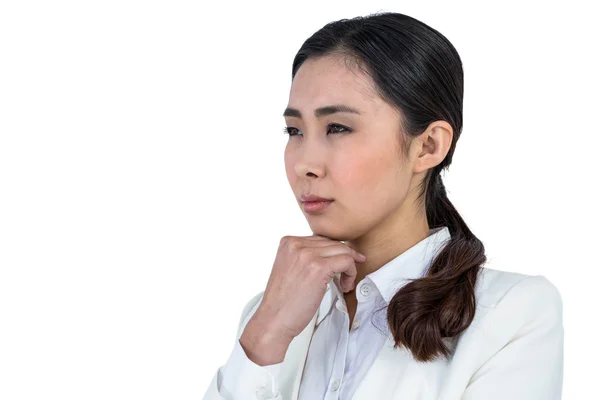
(143, 191)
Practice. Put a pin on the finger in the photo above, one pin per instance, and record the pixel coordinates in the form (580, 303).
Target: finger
(342, 264)
(358, 256)
(317, 237)
(339, 248)
(318, 242)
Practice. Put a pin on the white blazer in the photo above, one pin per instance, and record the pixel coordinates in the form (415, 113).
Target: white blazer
(513, 350)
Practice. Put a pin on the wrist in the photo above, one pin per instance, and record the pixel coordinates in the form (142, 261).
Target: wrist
(263, 343)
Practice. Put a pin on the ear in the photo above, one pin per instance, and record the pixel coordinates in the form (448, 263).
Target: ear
(431, 146)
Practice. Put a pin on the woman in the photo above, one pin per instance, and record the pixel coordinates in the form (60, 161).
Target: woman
(389, 298)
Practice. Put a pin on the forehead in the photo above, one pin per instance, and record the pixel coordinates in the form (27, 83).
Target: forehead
(332, 80)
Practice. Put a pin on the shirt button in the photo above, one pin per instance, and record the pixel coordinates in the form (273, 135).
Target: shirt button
(335, 385)
(356, 323)
(365, 290)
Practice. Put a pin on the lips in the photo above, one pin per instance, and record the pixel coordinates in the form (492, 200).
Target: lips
(313, 198)
(315, 207)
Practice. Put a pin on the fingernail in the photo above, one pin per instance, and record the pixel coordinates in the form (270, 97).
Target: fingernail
(362, 256)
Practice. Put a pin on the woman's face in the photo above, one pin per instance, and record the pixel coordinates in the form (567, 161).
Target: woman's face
(362, 169)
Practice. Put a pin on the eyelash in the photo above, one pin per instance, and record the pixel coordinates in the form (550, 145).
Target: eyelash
(287, 129)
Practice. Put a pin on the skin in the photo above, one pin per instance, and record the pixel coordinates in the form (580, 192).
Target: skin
(373, 185)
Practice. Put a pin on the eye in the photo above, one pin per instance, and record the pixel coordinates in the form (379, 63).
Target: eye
(337, 128)
(290, 130)
(331, 128)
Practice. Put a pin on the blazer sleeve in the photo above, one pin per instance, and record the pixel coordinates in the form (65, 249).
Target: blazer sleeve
(527, 327)
(240, 378)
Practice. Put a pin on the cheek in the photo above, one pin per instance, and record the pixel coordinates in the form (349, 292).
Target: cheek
(369, 184)
(361, 173)
(353, 175)
(289, 165)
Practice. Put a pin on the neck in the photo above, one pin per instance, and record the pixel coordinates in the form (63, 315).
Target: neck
(387, 241)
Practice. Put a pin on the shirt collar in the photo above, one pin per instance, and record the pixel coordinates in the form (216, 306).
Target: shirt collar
(411, 264)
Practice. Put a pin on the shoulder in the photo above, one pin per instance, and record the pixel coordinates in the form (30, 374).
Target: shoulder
(494, 285)
(511, 301)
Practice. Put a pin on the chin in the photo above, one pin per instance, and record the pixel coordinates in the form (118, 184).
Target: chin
(339, 233)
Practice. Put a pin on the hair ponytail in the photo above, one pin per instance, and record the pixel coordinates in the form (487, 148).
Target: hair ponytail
(416, 69)
(426, 312)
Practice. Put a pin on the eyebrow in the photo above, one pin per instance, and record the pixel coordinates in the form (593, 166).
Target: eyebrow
(322, 111)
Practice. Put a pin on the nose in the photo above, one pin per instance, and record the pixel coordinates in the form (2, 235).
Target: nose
(310, 161)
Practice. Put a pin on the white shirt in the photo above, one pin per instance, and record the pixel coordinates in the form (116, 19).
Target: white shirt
(338, 358)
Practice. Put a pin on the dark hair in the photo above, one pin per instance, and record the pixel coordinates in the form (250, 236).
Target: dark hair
(418, 71)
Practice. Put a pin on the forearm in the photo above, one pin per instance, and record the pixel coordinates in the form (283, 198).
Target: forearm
(263, 343)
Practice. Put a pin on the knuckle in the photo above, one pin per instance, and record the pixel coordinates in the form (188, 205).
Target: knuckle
(290, 242)
(344, 257)
(316, 263)
(304, 254)
(350, 251)
(294, 244)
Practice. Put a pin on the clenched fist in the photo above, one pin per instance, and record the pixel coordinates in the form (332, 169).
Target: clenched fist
(303, 267)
